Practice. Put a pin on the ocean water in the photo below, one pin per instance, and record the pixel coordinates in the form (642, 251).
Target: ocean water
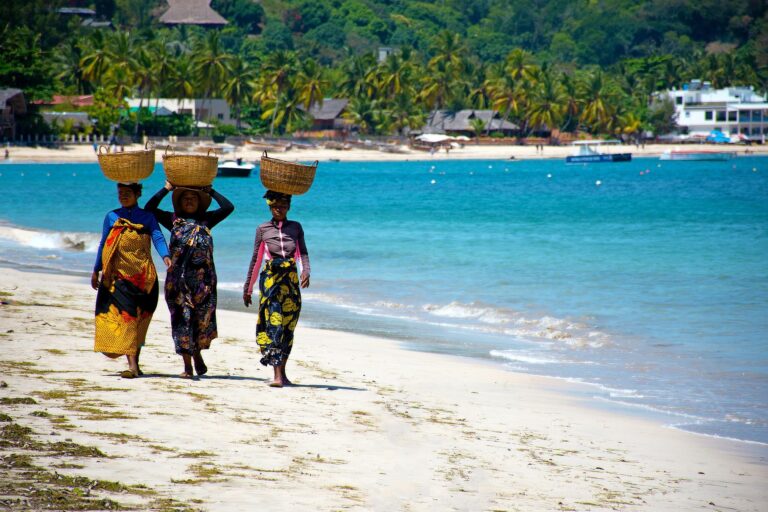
(648, 279)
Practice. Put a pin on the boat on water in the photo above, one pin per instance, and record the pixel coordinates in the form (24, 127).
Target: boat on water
(694, 155)
(234, 169)
(593, 151)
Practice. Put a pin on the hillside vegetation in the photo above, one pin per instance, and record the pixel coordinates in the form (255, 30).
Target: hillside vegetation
(565, 64)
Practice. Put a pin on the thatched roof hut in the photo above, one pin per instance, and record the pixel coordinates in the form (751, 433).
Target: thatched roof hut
(192, 12)
(460, 122)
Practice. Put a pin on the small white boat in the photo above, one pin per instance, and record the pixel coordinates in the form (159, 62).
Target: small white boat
(234, 169)
(694, 155)
(591, 151)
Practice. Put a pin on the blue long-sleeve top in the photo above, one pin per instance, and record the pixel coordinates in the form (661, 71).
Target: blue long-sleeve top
(137, 216)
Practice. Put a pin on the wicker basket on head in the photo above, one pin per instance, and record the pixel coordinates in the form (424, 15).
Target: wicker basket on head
(127, 166)
(190, 170)
(286, 177)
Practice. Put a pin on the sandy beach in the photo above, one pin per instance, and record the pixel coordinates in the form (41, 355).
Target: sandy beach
(370, 426)
(85, 153)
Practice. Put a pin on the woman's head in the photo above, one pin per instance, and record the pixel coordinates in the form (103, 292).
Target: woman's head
(128, 194)
(278, 203)
(189, 202)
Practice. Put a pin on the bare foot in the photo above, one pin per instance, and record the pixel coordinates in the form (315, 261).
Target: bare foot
(276, 384)
(186, 375)
(128, 374)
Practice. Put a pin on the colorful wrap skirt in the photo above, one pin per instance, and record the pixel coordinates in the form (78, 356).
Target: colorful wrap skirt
(279, 308)
(190, 287)
(127, 295)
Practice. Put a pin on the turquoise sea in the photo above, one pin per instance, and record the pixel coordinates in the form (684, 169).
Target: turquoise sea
(652, 286)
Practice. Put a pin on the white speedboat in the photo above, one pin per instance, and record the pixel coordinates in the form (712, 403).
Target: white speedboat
(592, 151)
(694, 155)
(234, 169)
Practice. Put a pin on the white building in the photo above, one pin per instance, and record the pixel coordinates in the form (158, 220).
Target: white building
(732, 110)
(209, 111)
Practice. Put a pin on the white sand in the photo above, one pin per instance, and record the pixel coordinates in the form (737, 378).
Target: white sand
(84, 153)
(371, 426)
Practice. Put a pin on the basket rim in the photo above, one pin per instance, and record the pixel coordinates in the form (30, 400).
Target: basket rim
(265, 156)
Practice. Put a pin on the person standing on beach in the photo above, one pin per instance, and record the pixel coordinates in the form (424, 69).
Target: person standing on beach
(190, 287)
(126, 279)
(281, 242)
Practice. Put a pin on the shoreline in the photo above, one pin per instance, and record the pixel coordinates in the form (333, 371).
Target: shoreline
(371, 425)
(593, 394)
(84, 153)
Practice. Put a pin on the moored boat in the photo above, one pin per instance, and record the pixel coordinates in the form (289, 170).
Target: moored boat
(234, 169)
(592, 151)
(694, 155)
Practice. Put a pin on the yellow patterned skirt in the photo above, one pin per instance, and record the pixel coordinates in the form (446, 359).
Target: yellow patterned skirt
(128, 292)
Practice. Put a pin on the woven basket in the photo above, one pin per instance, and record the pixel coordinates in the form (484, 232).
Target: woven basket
(128, 166)
(286, 177)
(190, 170)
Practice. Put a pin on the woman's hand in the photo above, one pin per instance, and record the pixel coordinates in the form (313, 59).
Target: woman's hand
(167, 262)
(305, 280)
(95, 280)
(247, 299)
(168, 185)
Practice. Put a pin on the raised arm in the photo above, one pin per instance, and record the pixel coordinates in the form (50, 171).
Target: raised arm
(225, 209)
(163, 217)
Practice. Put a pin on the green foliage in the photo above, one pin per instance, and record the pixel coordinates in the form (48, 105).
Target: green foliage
(24, 64)
(245, 14)
(105, 111)
(662, 117)
(569, 64)
(174, 124)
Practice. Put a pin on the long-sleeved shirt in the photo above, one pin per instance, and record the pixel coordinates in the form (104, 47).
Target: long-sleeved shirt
(277, 240)
(209, 218)
(137, 216)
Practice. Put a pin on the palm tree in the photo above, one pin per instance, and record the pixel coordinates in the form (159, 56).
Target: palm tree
(478, 125)
(356, 73)
(519, 65)
(599, 96)
(68, 65)
(287, 112)
(444, 69)
(311, 83)
(95, 58)
(210, 63)
(145, 79)
(278, 70)
(363, 112)
(240, 86)
(547, 105)
(403, 113)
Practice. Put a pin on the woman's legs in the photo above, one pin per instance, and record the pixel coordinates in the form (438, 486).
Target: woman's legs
(280, 379)
(187, 373)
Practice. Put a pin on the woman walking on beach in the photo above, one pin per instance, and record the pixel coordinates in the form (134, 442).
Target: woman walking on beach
(281, 242)
(127, 287)
(190, 287)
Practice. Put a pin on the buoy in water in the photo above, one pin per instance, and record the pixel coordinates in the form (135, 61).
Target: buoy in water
(598, 183)
(549, 176)
(433, 182)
